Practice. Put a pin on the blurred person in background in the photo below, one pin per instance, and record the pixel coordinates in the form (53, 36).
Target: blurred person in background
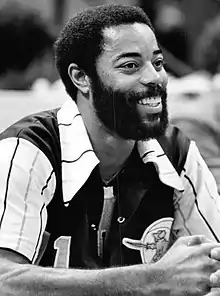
(26, 47)
(27, 67)
(169, 22)
(170, 28)
(194, 103)
(207, 52)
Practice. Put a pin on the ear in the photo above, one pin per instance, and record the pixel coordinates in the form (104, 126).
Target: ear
(79, 78)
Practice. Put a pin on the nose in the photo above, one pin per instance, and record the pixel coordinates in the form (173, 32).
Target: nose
(151, 75)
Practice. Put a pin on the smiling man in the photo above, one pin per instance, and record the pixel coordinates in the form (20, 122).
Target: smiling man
(103, 194)
(129, 88)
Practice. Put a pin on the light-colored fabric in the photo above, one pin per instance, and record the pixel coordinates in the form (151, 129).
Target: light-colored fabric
(27, 185)
(207, 139)
(78, 156)
(197, 210)
(151, 151)
(105, 222)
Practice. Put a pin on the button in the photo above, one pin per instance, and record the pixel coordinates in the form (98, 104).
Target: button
(121, 220)
(93, 226)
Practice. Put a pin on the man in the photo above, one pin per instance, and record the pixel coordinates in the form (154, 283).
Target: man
(111, 141)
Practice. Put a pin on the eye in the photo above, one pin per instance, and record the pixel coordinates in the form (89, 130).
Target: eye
(158, 64)
(130, 66)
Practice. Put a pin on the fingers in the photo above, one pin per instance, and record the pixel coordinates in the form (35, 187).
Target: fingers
(193, 240)
(215, 279)
(215, 253)
(214, 292)
(205, 245)
(212, 247)
(198, 240)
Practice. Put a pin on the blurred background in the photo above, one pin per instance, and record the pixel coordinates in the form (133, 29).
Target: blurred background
(178, 23)
(188, 32)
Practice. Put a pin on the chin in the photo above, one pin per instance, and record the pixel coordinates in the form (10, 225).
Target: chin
(143, 133)
(150, 130)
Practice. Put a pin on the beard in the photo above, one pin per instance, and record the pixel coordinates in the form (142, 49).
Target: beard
(117, 111)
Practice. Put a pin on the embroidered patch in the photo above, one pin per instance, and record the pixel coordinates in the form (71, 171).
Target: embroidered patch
(154, 241)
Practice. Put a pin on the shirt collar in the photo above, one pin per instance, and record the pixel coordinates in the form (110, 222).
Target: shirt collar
(151, 151)
(77, 154)
(79, 158)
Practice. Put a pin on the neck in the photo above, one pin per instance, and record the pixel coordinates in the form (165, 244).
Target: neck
(111, 150)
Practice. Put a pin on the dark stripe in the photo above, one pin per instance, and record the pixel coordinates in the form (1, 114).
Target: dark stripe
(161, 155)
(40, 232)
(145, 154)
(47, 182)
(7, 183)
(177, 207)
(71, 161)
(197, 205)
(65, 124)
(68, 124)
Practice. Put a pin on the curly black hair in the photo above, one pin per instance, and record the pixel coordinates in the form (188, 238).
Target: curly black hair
(24, 36)
(81, 40)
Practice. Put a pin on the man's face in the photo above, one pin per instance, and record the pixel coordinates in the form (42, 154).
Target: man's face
(129, 89)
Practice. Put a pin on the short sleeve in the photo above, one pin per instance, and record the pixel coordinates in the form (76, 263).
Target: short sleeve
(27, 185)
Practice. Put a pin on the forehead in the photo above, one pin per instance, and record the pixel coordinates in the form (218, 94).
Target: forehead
(135, 37)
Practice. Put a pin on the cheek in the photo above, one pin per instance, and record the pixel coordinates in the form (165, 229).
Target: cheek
(120, 82)
(124, 83)
(115, 79)
(164, 78)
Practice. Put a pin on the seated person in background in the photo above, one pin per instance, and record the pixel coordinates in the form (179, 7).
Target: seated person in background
(27, 67)
(94, 189)
(207, 51)
(26, 48)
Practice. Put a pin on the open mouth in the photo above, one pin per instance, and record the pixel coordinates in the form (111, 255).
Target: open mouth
(150, 102)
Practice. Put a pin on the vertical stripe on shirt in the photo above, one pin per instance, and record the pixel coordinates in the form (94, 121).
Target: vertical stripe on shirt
(25, 215)
(25, 199)
(197, 209)
(8, 177)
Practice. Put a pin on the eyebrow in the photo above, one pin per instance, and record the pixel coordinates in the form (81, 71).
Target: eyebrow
(157, 51)
(127, 55)
(135, 54)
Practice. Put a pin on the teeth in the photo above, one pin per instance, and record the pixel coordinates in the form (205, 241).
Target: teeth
(152, 101)
(143, 101)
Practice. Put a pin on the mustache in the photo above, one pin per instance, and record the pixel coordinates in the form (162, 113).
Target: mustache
(153, 90)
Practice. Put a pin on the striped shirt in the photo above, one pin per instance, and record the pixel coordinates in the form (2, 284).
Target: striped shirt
(29, 179)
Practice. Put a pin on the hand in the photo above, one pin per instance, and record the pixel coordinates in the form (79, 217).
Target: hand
(186, 267)
(214, 292)
(215, 277)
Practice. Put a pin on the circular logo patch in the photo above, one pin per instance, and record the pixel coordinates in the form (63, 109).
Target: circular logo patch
(154, 241)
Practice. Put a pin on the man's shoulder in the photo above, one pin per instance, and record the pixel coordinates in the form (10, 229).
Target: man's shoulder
(41, 129)
(175, 145)
(36, 121)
